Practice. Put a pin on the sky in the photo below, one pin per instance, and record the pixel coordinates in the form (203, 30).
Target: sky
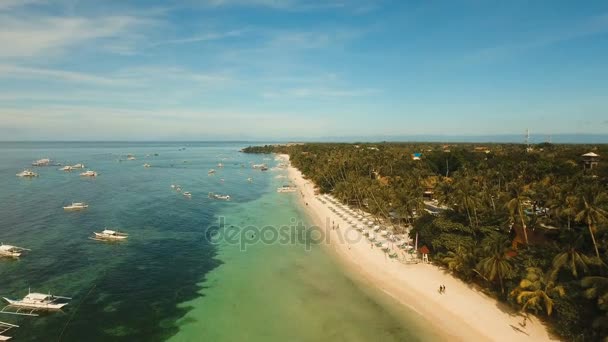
(284, 69)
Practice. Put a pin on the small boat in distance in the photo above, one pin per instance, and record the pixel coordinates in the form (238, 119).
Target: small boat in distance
(27, 173)
(173, 186)
(42, 162)
(109, 235)
(130, 157)
(67, 168)
(287, 188)
(11, 251)
(250, 179)
(76, 206)
(264, 168)
(36, 301)
(4, 327)
(78, 166)
(187, 194)
(147, 165)
(259, 166)
(220, 165)
(219, 197)
(210, 172)
(89, 173)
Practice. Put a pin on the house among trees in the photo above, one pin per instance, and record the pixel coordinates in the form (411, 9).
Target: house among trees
(481, 149)
(590, 160)
(416, 156)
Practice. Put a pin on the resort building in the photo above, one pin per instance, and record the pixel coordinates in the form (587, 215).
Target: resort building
(590, 160)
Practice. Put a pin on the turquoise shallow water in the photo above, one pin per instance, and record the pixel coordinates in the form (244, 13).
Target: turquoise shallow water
(168, 281)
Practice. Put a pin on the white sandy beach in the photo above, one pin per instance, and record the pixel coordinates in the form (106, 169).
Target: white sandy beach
(462, 313)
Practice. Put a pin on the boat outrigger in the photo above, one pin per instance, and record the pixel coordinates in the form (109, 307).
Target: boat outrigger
(11, 251)
(4, 327)
(109, 235)
(76, 206)
(34, 302)
(219, 197)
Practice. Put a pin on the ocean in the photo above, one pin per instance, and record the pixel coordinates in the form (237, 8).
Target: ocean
(180, 276)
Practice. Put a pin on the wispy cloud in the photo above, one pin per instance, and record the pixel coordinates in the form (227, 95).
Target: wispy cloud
(53, 35)
(202, 37)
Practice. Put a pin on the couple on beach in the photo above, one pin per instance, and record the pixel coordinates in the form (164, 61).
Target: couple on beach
(441, 289)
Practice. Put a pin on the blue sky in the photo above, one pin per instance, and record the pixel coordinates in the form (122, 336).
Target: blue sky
(272, 69)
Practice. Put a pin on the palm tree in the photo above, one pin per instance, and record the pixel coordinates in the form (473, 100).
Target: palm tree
(592, 211)
(571, 257)
(536, 291)
(497, 265)
(515, 207)
(597, 288)
(460, 261)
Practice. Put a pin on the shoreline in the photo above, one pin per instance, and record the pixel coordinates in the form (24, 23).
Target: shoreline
(463, 313)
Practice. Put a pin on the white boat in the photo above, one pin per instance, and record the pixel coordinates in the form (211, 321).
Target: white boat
(173, 186)
(76, 206)
(210, 172)
(220, 165)
(110, 235)
(219, 197)
(130, 157)
(78, 166)
(259, 166)
(187, 194)
(89, 173)
(27, 173)
(147, 165)
(250, 179)
(11, 251)
(4, 327)
(42, 162)
(67, 168)
(287, 188)
(37, 301)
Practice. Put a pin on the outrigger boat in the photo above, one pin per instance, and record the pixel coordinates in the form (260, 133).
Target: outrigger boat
(33, 302)
(76, 206)
(27, 173)
(42, 162)
(89, 173)
(287, 188)
(109, 235)
(4, 327)
(11, 251)
(187, 194)
(219, 197)
(210, 172)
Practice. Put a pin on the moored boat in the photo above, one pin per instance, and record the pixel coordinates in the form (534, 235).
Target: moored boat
(11, 251)
(38, 301)
(287, 188)
(219, 197)
(27, 174)
(89, 173)
(76, 206)
(110, 235)
(42, 162)
(4, 327)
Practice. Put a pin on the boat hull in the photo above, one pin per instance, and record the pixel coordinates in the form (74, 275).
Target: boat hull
(37, 306)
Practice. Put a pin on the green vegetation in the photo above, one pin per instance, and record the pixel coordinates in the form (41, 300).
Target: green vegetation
(529, 226)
